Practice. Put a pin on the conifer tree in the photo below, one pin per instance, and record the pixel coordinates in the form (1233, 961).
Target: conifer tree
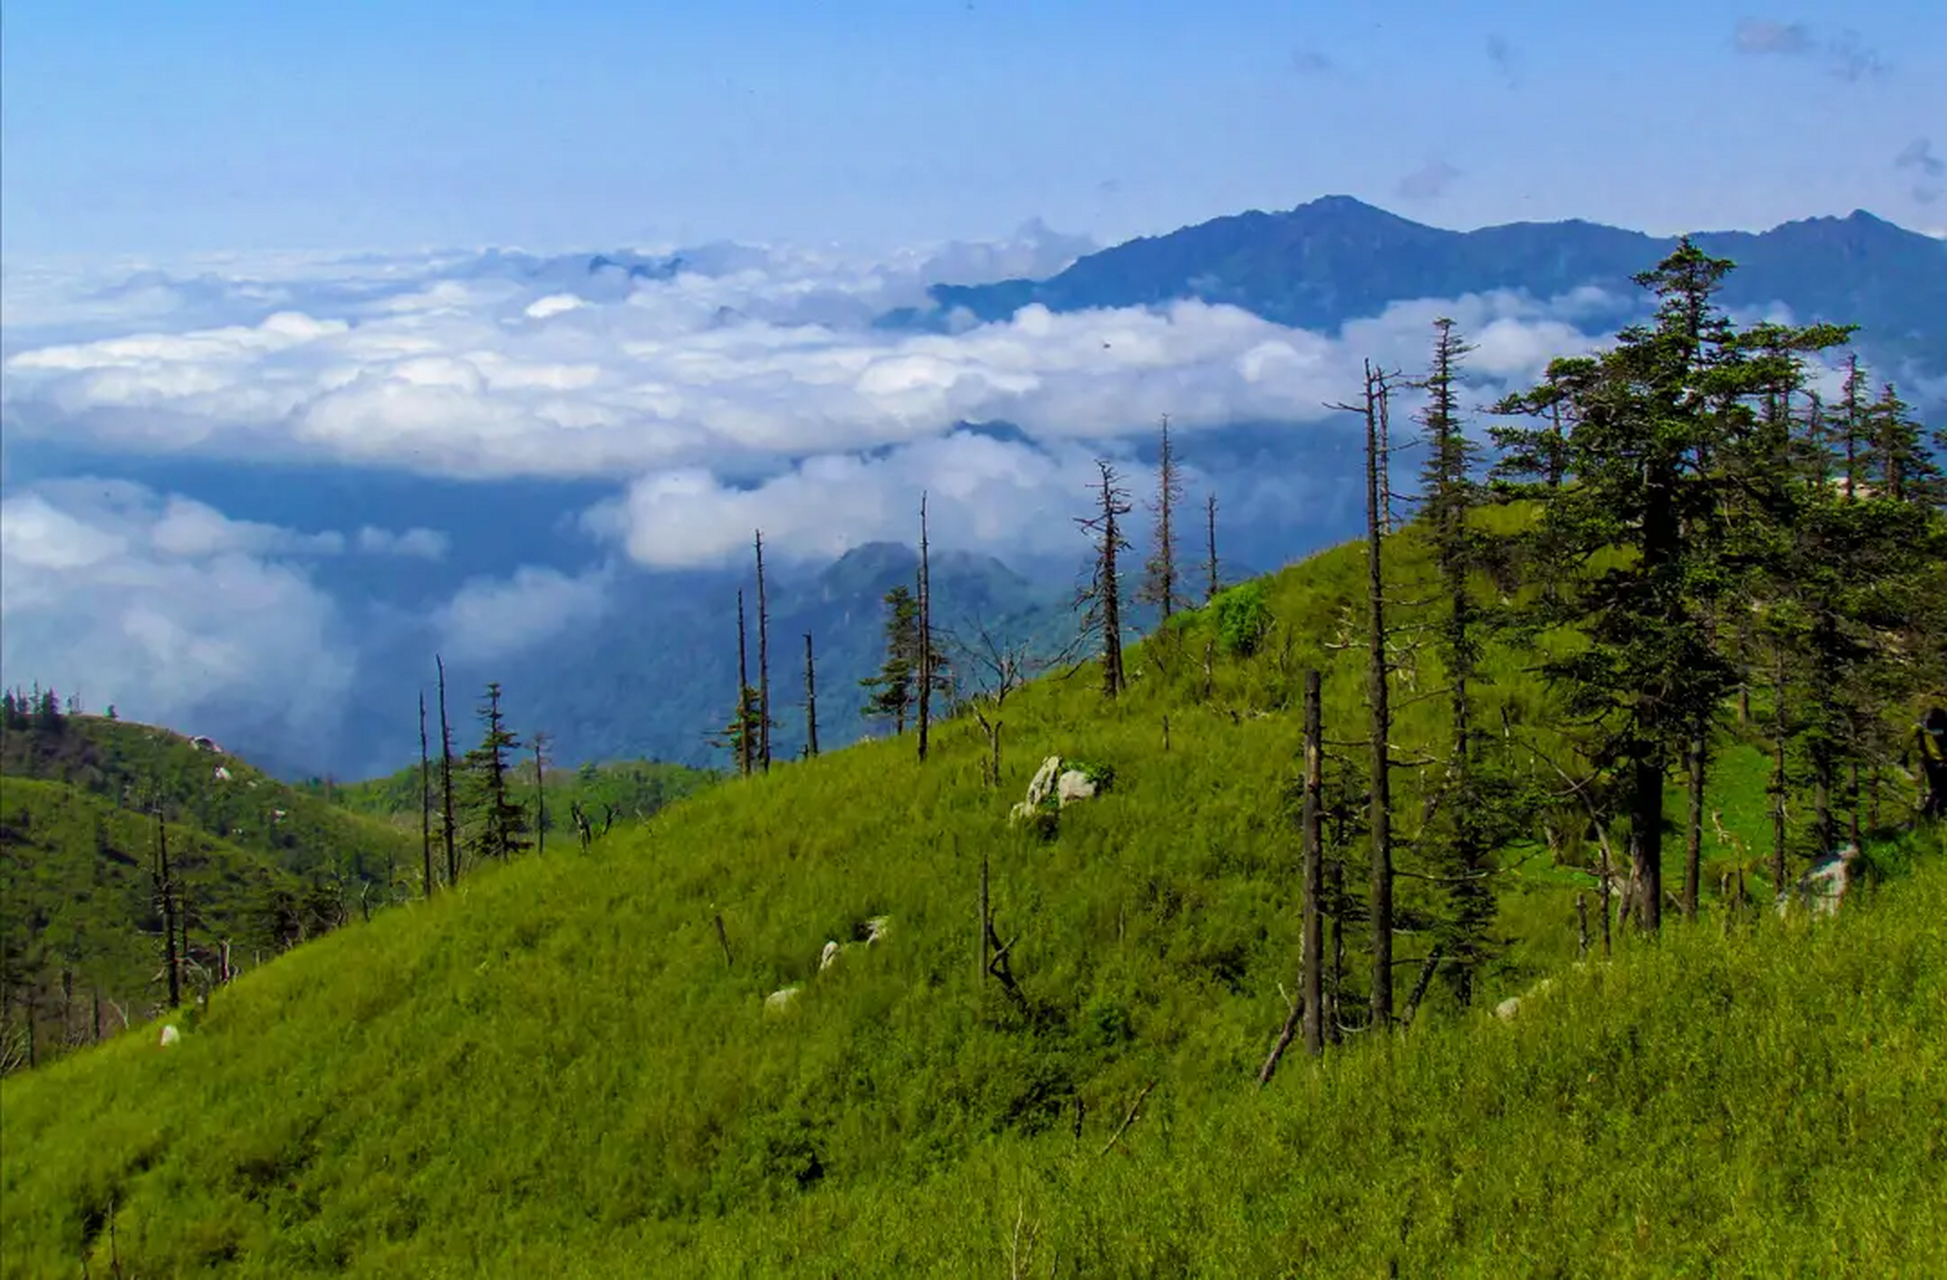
(1656, 424)
(1449, 495)
(498, 822)
(1162, 583)
(894, 690)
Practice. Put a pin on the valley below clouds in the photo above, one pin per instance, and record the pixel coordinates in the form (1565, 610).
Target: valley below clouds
(253, 497)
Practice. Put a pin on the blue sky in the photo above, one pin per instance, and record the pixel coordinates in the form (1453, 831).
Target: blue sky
(158, 129)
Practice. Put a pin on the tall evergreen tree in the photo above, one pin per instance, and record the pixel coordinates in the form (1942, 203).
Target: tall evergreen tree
(498, 823)
(894, 690)
(1655, 422)
(1449, 495)
(1162, 582)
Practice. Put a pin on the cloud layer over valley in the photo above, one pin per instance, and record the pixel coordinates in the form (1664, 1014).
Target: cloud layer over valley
(705, 394)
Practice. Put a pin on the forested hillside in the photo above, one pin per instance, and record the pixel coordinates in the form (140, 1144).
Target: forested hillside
(1438, 905)
(104, 822)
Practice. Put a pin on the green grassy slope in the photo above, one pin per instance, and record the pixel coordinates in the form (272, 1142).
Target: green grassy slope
(75, 875)
(127, 764)
(555, 1071)
(635, 789)
(259, 864)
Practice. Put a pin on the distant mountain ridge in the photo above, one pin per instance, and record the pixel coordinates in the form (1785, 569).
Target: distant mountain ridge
(1336, 259)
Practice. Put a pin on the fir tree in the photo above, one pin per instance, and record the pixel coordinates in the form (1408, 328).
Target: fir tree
(498, 822)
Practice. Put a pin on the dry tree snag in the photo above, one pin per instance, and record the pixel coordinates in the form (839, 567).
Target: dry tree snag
(810, 701)
(446, 780)
(1103, 595)
(1377, 394)
(925, 633)
(763, 662)
(425, 798)
(1310, 1005)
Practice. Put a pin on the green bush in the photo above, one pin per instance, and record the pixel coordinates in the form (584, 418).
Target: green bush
(1243, 617)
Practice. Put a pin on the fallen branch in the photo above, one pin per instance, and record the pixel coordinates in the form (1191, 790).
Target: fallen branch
(1129, 1119)
(1285, 1036)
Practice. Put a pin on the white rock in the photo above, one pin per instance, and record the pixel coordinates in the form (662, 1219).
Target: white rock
(170, 1035)
(1074, 785)
(780, 1000)
(1506, 1010)
(1044, 781)
(830, 955)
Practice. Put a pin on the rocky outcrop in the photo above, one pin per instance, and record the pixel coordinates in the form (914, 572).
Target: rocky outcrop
(1823, 888)
(1056, 785)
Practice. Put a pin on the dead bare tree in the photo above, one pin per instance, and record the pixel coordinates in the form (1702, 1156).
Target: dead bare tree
(1379, 822)
(810, 701)
(1313, 943)
(165, 887)
(540, 793)
(1310, 1004)
(763, 663)
(925, 632)
(425, 798)
(998, 665)
(741, 726)
(1103, 596)
(446, 780)
(1210, 563)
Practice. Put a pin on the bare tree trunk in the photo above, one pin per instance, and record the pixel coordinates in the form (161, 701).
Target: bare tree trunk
(925, 633)
(1581, 926)
(743, 704)
(540, 795)
(1210, 564)
(166, 886)
(1428, 968)
(810, 700)
(763, 664)
(425, 798)
(1693, 853)
(1778, 777)
(1313, 944)
(1380, 821)
(986, 922)
(446, 780)
(1338, 949)
(1608, 877)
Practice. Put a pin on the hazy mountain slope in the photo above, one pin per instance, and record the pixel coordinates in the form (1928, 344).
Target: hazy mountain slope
(1336, 259)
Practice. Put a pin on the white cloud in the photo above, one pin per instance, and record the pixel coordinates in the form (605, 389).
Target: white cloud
(492, 618)
(165, 608)
(980, 492)
(736, 381)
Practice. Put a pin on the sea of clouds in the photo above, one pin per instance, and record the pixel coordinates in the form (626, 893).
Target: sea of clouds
(654, 408)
